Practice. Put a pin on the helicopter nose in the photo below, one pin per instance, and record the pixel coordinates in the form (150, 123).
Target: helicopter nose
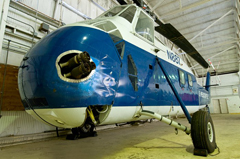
(66, 72)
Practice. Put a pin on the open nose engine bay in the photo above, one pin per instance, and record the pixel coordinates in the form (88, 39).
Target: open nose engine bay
(74, 65)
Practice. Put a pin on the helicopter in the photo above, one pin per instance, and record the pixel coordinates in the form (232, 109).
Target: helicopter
(113, 69)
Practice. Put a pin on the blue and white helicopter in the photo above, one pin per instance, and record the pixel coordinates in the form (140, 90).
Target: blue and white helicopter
(113, 70)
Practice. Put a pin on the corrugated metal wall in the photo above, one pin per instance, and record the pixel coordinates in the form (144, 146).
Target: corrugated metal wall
(19, 123)
(16, 30)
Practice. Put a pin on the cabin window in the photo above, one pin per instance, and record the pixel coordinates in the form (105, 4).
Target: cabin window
(145, 27)
(106, 26)
(118, 41)
(190, 82)
(120, 48)
(182, 77)
(129, 13)
(114, 11)
(132, 72)
(116, 36)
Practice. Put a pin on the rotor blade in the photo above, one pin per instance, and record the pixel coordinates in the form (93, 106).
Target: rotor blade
(177, 38)
(138, 3)
(158, 22)
(122, 2)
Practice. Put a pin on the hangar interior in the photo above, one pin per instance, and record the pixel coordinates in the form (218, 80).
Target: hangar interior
(212, 27)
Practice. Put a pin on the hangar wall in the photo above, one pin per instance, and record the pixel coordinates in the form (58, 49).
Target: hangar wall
(227, 89)
(20, 21)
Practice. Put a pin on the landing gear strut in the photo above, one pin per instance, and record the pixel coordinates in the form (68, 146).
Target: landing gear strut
(202, 130)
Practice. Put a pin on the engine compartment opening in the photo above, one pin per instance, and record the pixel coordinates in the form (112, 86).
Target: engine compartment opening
(74, 65)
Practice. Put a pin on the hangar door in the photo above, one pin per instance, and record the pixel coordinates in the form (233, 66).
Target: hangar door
(220, 106)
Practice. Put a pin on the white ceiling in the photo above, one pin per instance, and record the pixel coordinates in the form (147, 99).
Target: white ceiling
(211, 26)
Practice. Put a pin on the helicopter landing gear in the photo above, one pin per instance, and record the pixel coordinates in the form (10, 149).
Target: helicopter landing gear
(203, 134)
(81, 132)
(87, 130)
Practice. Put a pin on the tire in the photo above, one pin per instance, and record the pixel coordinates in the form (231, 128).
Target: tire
(202, 131)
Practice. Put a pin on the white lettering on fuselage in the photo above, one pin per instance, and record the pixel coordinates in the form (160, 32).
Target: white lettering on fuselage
(173, 57)
(204, 95)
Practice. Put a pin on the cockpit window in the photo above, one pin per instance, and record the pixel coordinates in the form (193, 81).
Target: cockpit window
(114, 11)
(145, 27)
(129, 13)
(106, 26)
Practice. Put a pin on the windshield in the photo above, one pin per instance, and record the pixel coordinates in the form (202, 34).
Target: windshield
(114, 11)
(145, 27)
(129, 13)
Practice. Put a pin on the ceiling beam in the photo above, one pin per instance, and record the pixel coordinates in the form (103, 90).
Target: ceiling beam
(231, 51)
(211, 25)
(225, 25)
(230, 11)
(237, 5)
(196, 19)
(227, 67)
(218, 44)
(157, 5)
(214, 51)
(219, 5)
(221, 63)
(217, 54)
(214, 36)
(207, 40)
(194, 28)
(185, 8)
(207, 29)
(222, 52)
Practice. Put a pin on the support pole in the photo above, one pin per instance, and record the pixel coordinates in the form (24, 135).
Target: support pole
(175, 91)
(57, 132)
(4, 77)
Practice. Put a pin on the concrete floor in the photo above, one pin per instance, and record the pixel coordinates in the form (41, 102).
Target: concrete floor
(148, 141)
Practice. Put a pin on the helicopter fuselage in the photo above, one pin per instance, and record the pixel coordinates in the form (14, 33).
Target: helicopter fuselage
(126, 78)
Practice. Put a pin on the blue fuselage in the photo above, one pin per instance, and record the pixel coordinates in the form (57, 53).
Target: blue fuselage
(41, 87)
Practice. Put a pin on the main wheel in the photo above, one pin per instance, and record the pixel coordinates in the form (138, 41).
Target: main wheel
(202, 131)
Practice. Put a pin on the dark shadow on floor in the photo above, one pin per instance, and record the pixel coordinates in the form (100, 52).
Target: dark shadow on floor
(190, 149)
